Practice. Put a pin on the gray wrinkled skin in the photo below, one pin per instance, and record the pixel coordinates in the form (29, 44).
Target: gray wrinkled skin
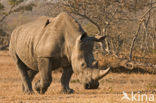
(49, 43)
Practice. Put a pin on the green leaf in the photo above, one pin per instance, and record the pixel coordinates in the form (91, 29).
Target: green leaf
(3, 13)
(2, 33)
(25, 8)
(1, 6)
(29, 7)
(15, 2)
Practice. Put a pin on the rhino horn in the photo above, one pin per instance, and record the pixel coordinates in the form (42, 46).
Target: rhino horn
(102, 73)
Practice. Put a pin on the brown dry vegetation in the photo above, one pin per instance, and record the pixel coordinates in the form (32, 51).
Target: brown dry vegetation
(110, 90)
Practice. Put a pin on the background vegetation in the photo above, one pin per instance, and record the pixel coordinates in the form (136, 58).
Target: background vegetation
(130, 25)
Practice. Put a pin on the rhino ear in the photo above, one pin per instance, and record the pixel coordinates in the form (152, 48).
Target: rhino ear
(99, 38)
(84, 35)
(47, 23)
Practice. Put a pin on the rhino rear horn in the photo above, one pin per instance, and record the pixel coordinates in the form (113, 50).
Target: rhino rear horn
(102, 73)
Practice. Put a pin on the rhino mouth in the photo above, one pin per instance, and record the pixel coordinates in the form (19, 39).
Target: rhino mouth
(93, 84)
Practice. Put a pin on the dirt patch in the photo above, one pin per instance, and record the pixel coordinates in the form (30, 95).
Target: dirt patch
(109, 91)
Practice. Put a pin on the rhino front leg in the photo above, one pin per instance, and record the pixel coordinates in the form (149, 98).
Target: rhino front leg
(26, 82)
(45, 74)
(65, 79)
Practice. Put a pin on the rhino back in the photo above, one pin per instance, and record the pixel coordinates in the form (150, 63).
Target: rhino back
(46, 37)
(25, 38)
(59, 37)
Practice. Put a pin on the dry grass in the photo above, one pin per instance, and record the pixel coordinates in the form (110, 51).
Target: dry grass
(110, 90)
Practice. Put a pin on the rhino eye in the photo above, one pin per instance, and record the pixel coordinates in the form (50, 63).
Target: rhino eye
(83, 65)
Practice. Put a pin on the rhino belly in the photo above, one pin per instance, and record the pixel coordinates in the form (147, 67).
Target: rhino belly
(28, 60)
(25, 52)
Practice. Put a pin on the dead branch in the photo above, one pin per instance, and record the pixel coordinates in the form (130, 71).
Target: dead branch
(10, 11)
(133, 41)
(139, 26)
(114, 62)
(147, 12)
(151, 68)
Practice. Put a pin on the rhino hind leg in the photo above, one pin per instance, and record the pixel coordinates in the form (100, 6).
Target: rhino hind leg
(44, 67)
(24, 76)
(65, 79)
(31, 75)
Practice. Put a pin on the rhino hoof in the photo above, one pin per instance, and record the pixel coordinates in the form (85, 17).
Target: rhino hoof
(67, 91)
(29, 92)
(37, 87)
(40, 91)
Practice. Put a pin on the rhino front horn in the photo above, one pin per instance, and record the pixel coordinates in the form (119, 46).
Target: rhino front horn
(102, 73)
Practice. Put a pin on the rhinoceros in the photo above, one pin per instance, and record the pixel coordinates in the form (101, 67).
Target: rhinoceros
(46, 44)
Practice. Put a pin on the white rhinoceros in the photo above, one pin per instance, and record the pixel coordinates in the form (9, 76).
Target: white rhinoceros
(48, 43)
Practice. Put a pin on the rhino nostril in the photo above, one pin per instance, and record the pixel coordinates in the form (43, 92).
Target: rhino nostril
(91, 85)
(87, 86)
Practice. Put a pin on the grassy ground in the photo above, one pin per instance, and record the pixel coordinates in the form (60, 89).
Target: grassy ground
(110, 90)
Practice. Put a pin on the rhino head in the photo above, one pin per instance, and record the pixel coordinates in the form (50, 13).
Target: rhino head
(84, 63)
